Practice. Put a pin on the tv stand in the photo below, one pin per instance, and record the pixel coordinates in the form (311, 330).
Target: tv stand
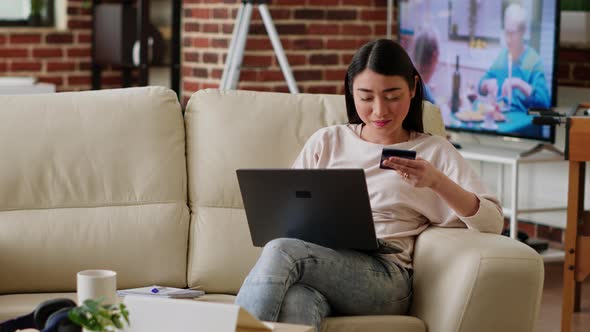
(540, 147)
(514, 159)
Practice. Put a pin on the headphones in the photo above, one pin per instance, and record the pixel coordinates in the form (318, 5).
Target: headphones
(49, 316)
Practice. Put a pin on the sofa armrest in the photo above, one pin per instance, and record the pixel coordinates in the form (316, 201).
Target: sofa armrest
(470, 281)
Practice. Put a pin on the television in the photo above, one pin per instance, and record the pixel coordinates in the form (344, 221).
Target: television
(485, 63)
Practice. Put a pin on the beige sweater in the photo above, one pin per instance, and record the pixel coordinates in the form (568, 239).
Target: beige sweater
(400, 211)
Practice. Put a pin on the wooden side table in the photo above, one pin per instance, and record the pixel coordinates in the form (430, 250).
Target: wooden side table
(577, 236)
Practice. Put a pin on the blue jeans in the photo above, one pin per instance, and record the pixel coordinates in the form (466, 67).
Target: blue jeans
(301, 283)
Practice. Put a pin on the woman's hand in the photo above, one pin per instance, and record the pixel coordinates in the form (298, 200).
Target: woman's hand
(419, 172)
(516, 83)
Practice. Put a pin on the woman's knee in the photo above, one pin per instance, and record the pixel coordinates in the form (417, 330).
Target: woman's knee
(292, 248)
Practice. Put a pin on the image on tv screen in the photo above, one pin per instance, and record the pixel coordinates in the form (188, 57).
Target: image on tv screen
(485, 63)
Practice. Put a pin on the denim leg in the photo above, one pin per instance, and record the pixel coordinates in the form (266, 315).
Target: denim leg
(304, 305)
(353, 282)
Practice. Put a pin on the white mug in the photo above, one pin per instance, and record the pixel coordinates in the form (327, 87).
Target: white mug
(95, 284)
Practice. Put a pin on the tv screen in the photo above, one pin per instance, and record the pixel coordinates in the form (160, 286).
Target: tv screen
(485, 63)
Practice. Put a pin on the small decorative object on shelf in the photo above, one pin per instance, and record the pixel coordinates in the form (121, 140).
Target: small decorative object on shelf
(93, 316)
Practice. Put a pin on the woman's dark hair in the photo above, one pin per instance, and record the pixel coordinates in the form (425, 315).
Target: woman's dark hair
(388, 58)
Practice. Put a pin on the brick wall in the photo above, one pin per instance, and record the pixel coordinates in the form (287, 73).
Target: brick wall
(319, 37)
(54, 56)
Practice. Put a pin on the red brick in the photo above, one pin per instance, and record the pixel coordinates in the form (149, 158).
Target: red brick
(211, 28)
(13, 53)
(3, 66)
(288, 2)
(84, 38)
(323, 29)
(346, 58)
(190, 86)
(227, 28)
(297, 60)
(356, 30)
(323, 89)
(310, 14)
(308, 44)
(27, 38)
(324, 2)
(199, 72)
(280, 14)
(249, 75)
(344, 44)
(373, 15)
(356, 3)
(258, 44)
(257, 60)
(191, 56)
(219, 43)
(82, 66)
(57, 80)
(199, 42)
(271, 75)
(79, 80)
(220, 13)
(79, 24)
(323, 59)
(291, 29)
(59, 38)
(192, 27)
(3, 39)
(78, 52)
(335, 75)
(47, 53)
(216, 73)
(307, 75)
(25, 66)
(210, 57)
(60, 66)
(341, 15)
(199, 13)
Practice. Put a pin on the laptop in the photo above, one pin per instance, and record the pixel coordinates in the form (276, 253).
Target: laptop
(328, 207)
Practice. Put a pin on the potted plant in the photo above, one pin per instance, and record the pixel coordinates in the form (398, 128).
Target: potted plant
(35, 17)
(94, 316)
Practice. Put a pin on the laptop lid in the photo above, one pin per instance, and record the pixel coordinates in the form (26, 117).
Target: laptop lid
(328, 207)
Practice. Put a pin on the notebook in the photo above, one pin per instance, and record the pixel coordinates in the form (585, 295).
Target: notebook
(162, 291)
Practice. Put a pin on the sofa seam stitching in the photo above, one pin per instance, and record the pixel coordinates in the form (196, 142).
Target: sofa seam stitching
(95, 206)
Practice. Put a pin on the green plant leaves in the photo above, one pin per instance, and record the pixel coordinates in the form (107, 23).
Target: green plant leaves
(94, 316)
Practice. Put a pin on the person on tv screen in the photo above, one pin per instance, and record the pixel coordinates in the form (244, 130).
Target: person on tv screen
(299, 282)
(516, 76)
(425, 56)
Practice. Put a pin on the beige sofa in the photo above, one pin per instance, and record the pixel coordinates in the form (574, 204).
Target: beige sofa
(119, 179)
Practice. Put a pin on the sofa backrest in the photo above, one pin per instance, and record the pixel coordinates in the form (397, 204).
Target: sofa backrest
(227, 130)
(92, 180)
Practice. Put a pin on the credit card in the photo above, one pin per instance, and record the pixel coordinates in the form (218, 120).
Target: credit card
(388, 152)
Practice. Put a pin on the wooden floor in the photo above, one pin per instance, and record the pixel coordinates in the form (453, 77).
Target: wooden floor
(550, 313)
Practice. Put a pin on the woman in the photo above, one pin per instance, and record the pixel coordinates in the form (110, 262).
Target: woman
(299, 282)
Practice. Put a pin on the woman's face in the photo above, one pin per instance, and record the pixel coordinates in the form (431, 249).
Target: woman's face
(382, 102)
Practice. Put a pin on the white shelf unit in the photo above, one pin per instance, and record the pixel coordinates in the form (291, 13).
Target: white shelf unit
(511, 158)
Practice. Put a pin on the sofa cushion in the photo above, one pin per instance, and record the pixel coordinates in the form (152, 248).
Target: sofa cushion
(224, 133)
(92, 180)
